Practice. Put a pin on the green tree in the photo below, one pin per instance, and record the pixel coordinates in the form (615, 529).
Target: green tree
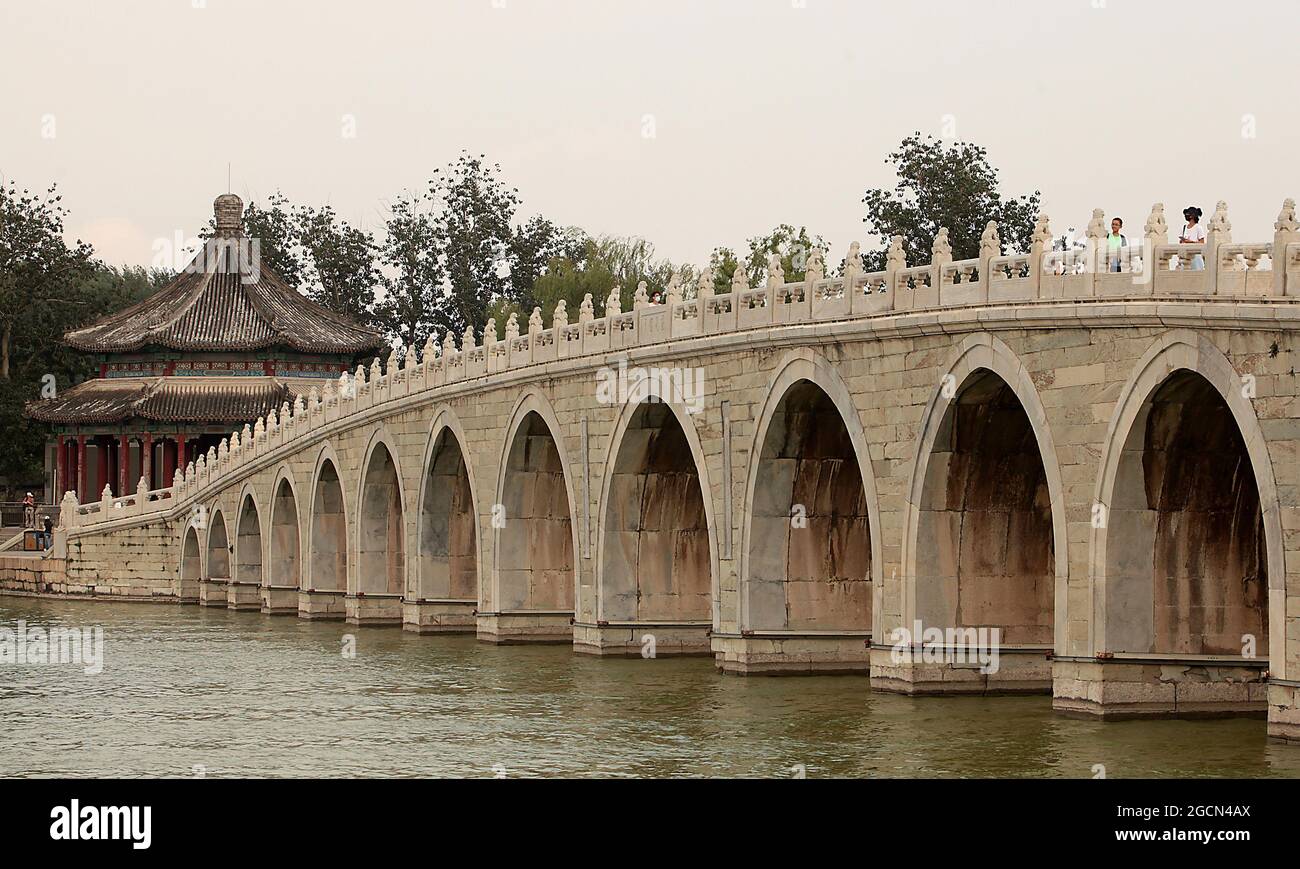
(474, 209)
(413, 306)
(38, 269)
(48, 287)
(792, 245)
(277, 233)
(533, 247)
(338, 262)
(941, 185)
(602, 264)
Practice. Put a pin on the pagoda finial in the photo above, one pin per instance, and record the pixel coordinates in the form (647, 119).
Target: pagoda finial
(228, 211)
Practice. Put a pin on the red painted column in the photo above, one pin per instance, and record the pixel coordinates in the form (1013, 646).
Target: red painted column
(146, 460)
(123, 462)
(181, 443)
(170, 446)
(101, 450)
(61, 472)
(81, 469)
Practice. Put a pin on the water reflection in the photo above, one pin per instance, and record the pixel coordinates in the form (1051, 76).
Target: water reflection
(240, 694)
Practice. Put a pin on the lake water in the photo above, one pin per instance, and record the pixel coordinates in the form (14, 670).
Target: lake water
(188, 691)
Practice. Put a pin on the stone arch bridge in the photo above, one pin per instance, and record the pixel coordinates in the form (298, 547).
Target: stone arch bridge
(1100, 470)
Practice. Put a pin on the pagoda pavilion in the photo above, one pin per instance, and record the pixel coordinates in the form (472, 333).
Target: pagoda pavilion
(224, 343)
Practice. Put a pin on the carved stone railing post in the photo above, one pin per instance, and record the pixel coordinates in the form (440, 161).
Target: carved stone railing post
(1095, 252)
(895, 262)
(990, 249)
(1218, 233)
(674, 293)
(512, 335)
(1286, 232)
(940, 256)
(68, 510)
(1155, 234)
(1042, 240)
(814, 271)
(852, 271)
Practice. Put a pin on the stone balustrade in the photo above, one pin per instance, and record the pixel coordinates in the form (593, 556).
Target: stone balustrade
(1155, 269)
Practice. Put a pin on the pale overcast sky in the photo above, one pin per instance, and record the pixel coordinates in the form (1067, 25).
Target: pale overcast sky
(763, 111)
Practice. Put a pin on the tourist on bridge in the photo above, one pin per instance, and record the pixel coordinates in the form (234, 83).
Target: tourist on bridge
(29, 511)
(1193, 233)
(1115, 243)
(47, 527)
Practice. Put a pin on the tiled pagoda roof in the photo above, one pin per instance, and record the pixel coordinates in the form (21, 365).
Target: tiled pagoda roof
(166, 400)
(227, 300)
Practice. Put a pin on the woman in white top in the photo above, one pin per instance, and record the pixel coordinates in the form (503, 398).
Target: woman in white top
(1193, 233)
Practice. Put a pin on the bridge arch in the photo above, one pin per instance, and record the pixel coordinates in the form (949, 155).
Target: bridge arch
(656, 539)
(381, 519)
(985, 423)
(285, 569)
(448, 532)
(218, 560)
(1148, 453)
(191, 566)
(327, 530)
(536, 538)
(248, 539)
(785, 464)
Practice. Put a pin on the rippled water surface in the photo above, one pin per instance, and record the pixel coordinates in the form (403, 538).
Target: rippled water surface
(242, 694)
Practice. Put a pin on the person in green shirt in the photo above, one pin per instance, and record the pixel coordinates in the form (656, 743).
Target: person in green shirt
(1115, 242)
